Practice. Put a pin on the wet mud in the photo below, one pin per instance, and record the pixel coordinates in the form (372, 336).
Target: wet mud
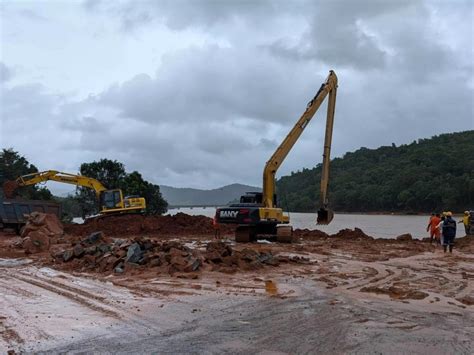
(141, 289)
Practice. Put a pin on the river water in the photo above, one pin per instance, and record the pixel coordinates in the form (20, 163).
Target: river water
(378, 226)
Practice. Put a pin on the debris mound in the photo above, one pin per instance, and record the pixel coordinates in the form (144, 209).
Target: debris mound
(41, 230)
(308, 234)
(101, 254)
(405, 237)
(9, 188)
(222, 257)
(356, 234)
(179, 224)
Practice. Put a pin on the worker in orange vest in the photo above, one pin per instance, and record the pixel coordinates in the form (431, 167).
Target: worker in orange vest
(433, 228)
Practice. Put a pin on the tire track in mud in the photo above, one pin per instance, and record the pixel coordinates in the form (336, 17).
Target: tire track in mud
(69, 288)
(71, 296)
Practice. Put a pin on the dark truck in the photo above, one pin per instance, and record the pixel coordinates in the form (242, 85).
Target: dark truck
(13, 212)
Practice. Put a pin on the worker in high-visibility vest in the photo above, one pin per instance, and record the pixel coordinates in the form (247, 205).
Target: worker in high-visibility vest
(466, 221)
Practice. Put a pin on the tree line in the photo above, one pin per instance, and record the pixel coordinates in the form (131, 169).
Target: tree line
(434, 174)
(83, 202)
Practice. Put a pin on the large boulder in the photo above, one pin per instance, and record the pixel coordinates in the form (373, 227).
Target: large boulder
(36, 242)
(40, 231)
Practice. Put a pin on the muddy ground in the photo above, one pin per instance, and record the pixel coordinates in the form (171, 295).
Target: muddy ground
(346, 293)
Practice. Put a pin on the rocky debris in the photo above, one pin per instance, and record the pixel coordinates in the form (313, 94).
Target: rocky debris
(222, 257)
(171, 257)
(405, 237)
(134, 253)
(93, 238)
(129, 225)
(41, 230)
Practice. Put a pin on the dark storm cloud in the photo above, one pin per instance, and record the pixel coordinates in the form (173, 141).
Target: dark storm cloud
(215, 84)
(5, 73)
(213, 113)
(182, 14)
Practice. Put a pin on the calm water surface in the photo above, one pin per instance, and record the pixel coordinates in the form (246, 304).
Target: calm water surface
(379, 226)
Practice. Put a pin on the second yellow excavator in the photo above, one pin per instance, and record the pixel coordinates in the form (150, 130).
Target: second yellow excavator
(110, 201)
(257, 214)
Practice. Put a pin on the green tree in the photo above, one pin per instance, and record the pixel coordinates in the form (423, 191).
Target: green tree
(112, 174)
(427, 175)
(134, 184)
(13, 165)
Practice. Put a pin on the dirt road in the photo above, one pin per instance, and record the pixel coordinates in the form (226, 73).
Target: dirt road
(318, 307)
(345, 293)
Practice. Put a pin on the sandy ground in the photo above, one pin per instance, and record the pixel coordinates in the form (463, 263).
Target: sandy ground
(344, 296)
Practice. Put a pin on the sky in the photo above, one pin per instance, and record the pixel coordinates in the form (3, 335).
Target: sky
(199, 93)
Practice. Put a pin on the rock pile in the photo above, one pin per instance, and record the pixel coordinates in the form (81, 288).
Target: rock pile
(101, 254)
(40, 231)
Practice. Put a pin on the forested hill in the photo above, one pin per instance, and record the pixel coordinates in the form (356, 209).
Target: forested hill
(427, 175)
(220, 196)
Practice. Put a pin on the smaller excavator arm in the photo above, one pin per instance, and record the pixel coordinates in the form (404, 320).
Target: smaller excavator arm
(53, 175)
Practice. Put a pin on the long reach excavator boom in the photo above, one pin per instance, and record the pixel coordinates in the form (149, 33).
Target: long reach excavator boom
(111, 201)
(258, 213)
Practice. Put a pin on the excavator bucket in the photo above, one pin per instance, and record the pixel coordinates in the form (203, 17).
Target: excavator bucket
(9, 188)
(325, 216)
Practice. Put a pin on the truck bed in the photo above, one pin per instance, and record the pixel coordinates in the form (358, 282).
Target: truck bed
(13, 212)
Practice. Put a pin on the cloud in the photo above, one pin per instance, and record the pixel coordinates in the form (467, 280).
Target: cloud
(215, 109)
(5, 73)
(215, 84)
(184, 14)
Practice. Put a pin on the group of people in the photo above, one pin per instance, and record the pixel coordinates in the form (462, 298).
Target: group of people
(442, 228)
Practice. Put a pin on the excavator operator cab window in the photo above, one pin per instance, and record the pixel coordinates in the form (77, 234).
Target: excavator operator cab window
(252, 197)
(111, 199)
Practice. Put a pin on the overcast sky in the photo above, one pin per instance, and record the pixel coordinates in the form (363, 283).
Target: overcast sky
(200, 93)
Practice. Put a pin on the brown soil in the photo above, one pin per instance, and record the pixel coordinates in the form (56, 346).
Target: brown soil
(133, 225)
(9, 188)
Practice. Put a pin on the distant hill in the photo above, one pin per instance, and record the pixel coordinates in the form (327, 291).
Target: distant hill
(435, 174)
(220, 196)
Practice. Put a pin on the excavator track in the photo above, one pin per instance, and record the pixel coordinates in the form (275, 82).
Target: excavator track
(243, 234)
(284, 234)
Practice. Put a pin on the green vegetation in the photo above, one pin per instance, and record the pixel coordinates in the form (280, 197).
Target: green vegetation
(12, 165)
(427, 175)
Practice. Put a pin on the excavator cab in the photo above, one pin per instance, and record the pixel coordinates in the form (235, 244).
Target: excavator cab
(325, 216)
(111, 199)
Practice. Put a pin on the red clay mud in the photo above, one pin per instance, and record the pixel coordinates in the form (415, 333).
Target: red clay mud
(179, 224)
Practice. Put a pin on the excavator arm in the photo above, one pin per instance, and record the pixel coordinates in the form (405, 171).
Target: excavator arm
(53, 175)
(329, 87)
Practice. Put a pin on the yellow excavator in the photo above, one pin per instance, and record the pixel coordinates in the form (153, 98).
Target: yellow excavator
(110, 201)
(257, 214)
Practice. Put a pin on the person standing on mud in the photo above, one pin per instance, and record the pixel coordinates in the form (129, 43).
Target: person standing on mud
(433, 228)
(465, 220)
(449, 232)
